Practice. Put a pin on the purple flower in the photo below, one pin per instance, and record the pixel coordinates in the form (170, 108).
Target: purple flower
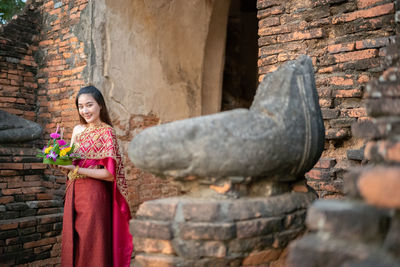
(55, 135)
(44, 148)
(52, 155)
(61, 142)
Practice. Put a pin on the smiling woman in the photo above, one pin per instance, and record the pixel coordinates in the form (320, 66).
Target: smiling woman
(96, 213)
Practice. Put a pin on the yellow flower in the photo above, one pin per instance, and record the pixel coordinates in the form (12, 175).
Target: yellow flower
(64, 151)
(47, 150)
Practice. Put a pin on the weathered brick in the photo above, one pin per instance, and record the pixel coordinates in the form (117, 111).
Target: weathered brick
(318, 174)
(348, 93)
(365, 13)
(201, 212)
(325, 163)
(264, 226)
(151, 229)
(155, 260)
(330, 113)
(195, 249)
(337, 48)
(301, 35)
(356, 55)
(210, 231)
(261, 257)
(150, 245)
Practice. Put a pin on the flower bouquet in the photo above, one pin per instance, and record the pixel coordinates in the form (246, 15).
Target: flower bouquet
(57, 151)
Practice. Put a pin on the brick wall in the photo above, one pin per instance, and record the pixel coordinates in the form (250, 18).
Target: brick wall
(18, 45)
(347, 41)
(363, 229)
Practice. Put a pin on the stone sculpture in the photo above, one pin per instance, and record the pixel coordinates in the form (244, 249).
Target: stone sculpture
(14, 129)
(279, 138)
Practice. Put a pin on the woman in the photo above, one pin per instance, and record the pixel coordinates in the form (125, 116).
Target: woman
(96, 213)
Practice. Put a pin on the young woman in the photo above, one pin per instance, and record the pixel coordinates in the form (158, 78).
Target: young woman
(96, 213)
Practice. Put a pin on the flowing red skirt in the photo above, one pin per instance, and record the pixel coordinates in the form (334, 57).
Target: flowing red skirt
(87, 224)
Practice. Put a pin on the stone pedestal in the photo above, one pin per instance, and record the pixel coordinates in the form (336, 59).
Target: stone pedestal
(192, 232)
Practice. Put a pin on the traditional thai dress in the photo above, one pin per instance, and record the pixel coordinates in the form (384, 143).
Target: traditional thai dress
(96, 213)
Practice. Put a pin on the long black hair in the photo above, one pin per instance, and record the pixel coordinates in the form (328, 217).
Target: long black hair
(96, 94)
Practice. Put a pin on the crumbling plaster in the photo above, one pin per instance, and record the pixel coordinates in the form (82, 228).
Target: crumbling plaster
(160, 57)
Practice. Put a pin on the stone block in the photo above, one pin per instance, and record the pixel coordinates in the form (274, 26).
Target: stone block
(392, 241)
(207, 231)
(254, 227)
(348, 220)
(162, 210)
(150, 245)
(355, 154)
(239, 246)
(151, 229)
(195, 249)
(201, 211)
(316, 251)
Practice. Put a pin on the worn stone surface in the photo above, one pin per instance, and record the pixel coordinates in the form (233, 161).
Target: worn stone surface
(255, 142)
(232, 232)
(349, 220)
(392, 241)
(312, 250)
(14, 129)
(380, 186)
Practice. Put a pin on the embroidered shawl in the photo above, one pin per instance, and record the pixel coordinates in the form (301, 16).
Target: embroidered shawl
(97, 145)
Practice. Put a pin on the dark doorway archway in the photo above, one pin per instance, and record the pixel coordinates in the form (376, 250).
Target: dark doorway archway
(240, 74)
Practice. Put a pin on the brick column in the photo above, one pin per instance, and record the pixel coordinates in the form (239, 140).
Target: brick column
(198, 232)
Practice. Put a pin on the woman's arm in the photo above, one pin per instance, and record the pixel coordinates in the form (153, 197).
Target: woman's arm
(100, 174)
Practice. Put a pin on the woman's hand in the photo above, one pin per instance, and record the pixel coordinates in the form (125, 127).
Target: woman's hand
(63, 168)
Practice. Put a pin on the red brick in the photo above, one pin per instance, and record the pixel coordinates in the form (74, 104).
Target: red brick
(363, 78)
(325, 163)
(318, 174)
(41, 242)
(267, 60)
(372, 43)
(301, 35)
(348, 93)
(7, 225)
(366, 3)
(355, 112)
(365, 13)
(268, 22)
(325, 102)
(337, 48)
(6, 199)
(340, 81)
(356, 55)
(276, 10)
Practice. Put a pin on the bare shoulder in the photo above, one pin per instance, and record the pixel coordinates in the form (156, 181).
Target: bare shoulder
(78, 129)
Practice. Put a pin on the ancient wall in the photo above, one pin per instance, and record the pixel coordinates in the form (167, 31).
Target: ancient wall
(347, 41)
(18, 68)
(369, 218)
(30, 203)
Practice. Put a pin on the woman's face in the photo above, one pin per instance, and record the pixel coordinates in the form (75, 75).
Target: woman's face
(88, 108)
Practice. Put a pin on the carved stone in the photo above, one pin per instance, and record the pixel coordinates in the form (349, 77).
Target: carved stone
(280, 137)
(14, 129)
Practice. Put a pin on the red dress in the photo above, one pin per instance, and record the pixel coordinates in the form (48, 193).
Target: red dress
(96, 213)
